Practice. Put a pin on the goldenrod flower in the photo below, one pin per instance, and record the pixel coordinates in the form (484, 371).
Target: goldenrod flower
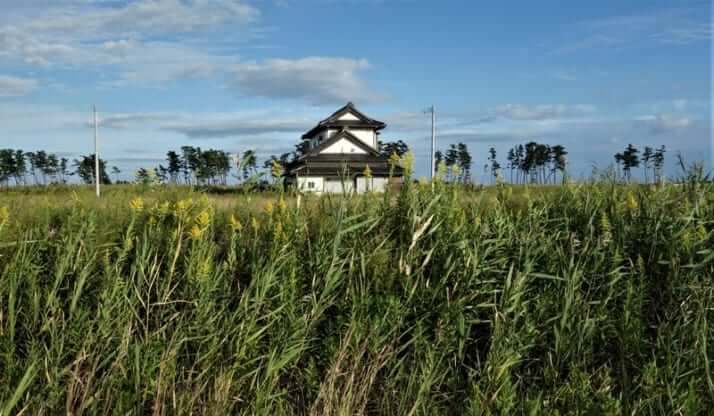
(235, 224)
(282, 205)
(456, 171)
(152, 220)
(164, 208)
(4, 216)
(394, 159)
(137, 204)
(367, 172)
(605, 230)
(702, 233)
(183, 205)
(278, 231)
(631, 202)
(203, 219)
(441, 170)
(423, 181)
(276, 169)
(195, 233)
(407, 163)
(269, 207)
(254, 224)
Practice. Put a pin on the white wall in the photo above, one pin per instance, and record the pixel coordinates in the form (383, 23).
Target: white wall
(349, 117)
(303, 183)
(368, 136)
(371, 184)
(338, 185)
(343, 146)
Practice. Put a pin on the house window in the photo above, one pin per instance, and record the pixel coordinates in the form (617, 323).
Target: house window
(311, 185)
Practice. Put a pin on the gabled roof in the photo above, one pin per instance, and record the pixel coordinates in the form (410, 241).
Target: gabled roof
(334, 121)
(342, 134)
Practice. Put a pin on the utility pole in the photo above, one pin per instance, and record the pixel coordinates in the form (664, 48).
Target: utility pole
(96, 152)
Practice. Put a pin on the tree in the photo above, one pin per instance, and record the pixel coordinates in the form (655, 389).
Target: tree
(249, 163)
(629, 159)
(438, 158)
(116, 171)
(84, 168)
(558, 160)
(174, 166)
(658, 163)
(647, 157)
(398, 147)
(494, 165)
(464, 160)
(7, 165)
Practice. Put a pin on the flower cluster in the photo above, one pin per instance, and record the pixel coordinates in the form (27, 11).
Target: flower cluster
(137, 204)
(4, 216)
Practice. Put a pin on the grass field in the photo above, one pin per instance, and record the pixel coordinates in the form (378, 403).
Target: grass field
(582, 299)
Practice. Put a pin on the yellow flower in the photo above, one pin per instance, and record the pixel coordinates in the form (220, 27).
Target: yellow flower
(282, 205)
(631, 202)
(235, 224)
(407, 163)
(137, 204)
(152, 220)
(254, 224)
(456, 171)
(195, 233)
(278, 231)
(605, 230)
(205, 269)
(441, 170)
(702, 233)
(394, 159)
(276, 169)
(4, 216)
(269, 207)
(203, 219)
(183, 205)
(164, 208)
(367, 172)
(423, 181)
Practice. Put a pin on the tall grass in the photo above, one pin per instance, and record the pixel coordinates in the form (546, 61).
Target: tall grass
(586, 299)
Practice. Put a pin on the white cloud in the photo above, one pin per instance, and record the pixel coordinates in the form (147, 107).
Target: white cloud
(319, 80)
(13, 86)
(542, 111)
(681, 26)
(662, 123)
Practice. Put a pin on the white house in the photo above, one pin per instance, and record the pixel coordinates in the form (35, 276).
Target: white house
(337, 152)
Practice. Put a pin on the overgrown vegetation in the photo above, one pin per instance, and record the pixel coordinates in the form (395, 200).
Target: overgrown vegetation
(584, 299)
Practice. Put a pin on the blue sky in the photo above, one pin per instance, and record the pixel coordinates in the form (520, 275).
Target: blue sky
(242, 74)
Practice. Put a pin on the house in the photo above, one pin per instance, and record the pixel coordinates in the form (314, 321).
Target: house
(337, 152)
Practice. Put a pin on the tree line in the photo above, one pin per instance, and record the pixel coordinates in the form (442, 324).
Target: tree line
(42, 168)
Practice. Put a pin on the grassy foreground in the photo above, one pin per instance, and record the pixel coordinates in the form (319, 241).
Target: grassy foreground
(586, 299)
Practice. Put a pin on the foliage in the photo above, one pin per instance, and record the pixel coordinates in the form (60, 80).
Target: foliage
(581, 299)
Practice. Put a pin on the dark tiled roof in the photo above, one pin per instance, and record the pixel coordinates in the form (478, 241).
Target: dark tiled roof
(342, 134)
(343, 164)
(334, 121)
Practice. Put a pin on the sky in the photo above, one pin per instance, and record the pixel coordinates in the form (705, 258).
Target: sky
(256, 74)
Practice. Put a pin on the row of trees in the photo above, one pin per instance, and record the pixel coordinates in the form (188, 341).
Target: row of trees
(651, 159)
(455, 163)
(41, 168)
(533, 162)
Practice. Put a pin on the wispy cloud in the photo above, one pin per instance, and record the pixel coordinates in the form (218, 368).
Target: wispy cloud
(318, 80)
(671, 26)
(13, 86)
